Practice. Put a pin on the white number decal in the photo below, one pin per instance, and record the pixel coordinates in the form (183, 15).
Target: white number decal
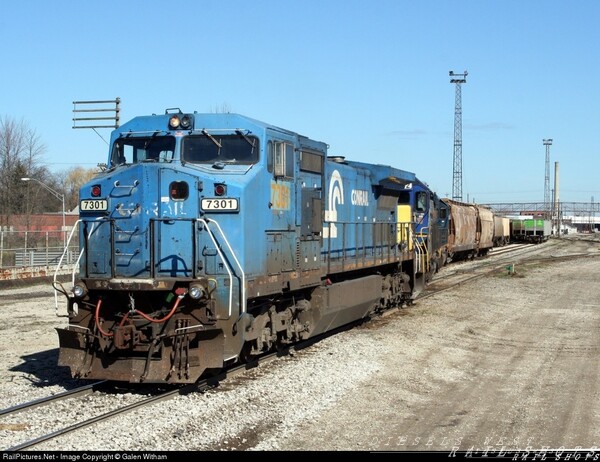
(225, 204)
(93, 205)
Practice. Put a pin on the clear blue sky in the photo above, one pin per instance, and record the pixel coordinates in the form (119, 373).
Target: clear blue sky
(369, 78)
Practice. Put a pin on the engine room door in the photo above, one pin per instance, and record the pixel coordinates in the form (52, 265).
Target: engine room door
(309, 208)
(174, 231)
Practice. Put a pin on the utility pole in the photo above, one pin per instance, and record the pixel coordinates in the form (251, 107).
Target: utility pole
(547, 198)
(592, 216)
(457, 79)
(557, 207)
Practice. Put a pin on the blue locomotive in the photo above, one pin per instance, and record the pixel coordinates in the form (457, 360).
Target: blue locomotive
(430, 218)
(212, 238)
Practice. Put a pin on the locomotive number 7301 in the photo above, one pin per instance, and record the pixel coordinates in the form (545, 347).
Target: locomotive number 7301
(93, 205)
(220, 204)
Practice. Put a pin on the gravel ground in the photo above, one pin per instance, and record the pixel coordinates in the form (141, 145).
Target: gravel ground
(498, 362)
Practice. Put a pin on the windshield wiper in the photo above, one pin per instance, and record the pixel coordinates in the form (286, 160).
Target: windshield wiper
(212, 138)
(245, 136)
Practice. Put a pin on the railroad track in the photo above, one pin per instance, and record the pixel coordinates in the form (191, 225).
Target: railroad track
(93, 420)
(465, 271)
(509, 249)
(507, 260)
(199, 386)
(84, 391)
(80, 391)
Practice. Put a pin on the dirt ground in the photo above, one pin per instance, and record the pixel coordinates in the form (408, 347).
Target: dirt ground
(503, 362)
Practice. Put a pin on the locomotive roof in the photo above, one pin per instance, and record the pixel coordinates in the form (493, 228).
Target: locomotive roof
(385, 173)
(158, 122)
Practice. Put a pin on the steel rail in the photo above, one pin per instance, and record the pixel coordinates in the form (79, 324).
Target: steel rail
(80, 391)
(195, 387)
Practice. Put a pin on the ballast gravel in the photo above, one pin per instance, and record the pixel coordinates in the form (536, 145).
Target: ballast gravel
(503, 361)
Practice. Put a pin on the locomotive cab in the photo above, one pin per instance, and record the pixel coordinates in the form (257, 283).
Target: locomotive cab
(430, 217)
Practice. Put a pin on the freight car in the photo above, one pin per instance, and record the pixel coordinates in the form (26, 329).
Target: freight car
(501, 231)
(212, 238)
(530, 230)
(470, 230)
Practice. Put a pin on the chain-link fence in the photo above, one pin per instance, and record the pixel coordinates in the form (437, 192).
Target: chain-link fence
(23, 249)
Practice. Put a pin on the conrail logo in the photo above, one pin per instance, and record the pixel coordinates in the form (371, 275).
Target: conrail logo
(358, 197)
(336, 197)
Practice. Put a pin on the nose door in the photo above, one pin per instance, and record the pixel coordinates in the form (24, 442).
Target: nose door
(174, 229)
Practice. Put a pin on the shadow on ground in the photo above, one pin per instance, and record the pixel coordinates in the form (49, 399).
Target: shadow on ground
(42, 370)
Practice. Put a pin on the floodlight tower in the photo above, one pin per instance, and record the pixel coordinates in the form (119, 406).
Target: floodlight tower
(547, 198)
(457, 79)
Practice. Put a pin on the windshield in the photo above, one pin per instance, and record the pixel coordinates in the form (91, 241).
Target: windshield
(208, 148)
(148, 149)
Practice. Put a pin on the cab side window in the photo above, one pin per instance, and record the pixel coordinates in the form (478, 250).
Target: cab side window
(281, 159)
(118, 154)
(421, 204)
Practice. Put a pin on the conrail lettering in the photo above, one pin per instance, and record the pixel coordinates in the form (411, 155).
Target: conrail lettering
(360, 197)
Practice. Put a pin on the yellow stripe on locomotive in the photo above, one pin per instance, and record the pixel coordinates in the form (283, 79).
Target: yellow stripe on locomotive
(404, 230)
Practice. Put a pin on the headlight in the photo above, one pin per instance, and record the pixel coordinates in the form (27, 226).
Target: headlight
(174, 122)
(186, 122)
(181, 122)
(79, 290)
(196, 291)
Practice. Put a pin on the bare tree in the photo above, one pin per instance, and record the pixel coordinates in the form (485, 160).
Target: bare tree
(71, 181)
(20, 152)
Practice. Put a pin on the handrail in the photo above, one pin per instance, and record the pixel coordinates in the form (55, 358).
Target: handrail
(117, 184)
(58, 265)
(76, 264)
(211, 234)
(212, 238)
(419, 240)
(227, 266)
(401, 226)
(236, 261)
